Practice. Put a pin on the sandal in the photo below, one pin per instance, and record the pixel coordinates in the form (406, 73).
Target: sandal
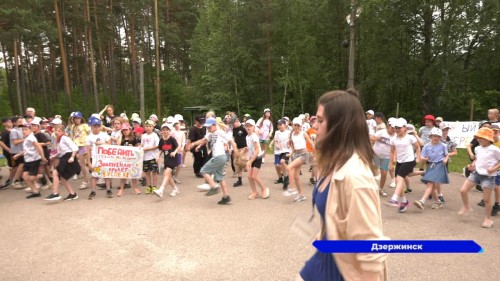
(487, 225)
(253, 196)
(265, 193)
(136, 192)
(120, 193)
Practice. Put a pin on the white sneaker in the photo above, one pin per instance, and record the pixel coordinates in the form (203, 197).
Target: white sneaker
(28, 190)
(176, 180)
(289, 192)
(393, 184)
(204, 187)
(263, 160)
(84, 185)
(174, 192)
(17, 185)
(299, 198)
(158, 192)
(75, 177)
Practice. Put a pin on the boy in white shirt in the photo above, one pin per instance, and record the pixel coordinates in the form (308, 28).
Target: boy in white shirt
(149, 143)
(281, 151)
(94, 139)
(33, 157)
(215, 166)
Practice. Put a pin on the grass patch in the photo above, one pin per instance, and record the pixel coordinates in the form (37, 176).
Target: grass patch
(459, 161)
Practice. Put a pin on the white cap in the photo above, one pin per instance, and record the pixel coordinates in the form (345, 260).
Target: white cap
(436, 132)
(250, 122)
(166, 125)
(410, 128)
(444, 126)
(96, 115)
(301, 116)
(124, 116)
(153, 117)
(392, 121)
(170, 120)
(137, 120)
(370, 112)
(179, 117)
(297, 120)
(400, 122)
(267, 110)
(56, 121)
(134, 115)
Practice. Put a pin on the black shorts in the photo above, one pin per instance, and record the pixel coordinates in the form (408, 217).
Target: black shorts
(285, 156)
(32, 167)
(257, 163)
(8, 157)
(17, 162)
(404, 169)
(150, 166)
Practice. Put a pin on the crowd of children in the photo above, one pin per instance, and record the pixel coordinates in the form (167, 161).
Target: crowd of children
(44, 153)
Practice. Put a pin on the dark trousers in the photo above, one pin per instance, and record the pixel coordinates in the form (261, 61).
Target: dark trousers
(200, 158)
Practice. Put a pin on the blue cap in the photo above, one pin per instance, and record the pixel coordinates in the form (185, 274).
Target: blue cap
(95, 121)
(210, 122)
(77, 114)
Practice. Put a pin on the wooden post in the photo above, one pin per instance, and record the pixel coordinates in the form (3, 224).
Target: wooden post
(471, 114)
(352, 43)
(397, 110)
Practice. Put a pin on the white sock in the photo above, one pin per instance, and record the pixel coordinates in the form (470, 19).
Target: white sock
(403, 199)
(394, 197)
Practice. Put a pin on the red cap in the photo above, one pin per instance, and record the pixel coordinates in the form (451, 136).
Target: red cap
(429, 117)
(139, 130)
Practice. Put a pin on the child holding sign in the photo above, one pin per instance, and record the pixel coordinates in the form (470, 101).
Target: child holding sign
(96, 138)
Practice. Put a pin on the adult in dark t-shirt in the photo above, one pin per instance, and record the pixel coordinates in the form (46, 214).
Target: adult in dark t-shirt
(198, 132)
(239, 134)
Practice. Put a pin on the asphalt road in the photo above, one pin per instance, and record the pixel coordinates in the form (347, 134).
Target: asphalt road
(190, 237)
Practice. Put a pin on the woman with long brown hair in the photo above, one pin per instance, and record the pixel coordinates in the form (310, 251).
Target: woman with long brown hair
(346, 194)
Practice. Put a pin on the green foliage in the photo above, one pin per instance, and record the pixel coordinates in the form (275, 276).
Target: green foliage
(431, 56)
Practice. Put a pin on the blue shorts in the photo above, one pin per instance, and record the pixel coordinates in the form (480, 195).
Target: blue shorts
(383, 164)
(278, 157)
(215, 166)
(483, 181)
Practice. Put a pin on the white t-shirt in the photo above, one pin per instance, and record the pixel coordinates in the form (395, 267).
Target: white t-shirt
(65, 145)
(265, 128)
(217, 141)
(404, 148)
(92, 139)
(487, 157)
(180, 137)
(382, 147)
(29, 148)
(281, 142)
(251, 140)
(425, 134)
(116, 135)
(372, 125)
(305, 127)
(299, 141)
(148, 141)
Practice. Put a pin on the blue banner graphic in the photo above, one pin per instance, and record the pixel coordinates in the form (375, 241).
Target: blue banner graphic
(397, 246)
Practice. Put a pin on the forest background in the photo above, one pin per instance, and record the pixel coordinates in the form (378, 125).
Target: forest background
(428, 56)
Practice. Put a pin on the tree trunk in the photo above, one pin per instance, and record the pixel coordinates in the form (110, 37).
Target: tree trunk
(426, 56)
(91, 55)
(104, 84)
(158, 63)
(267, 32)
(63, 55)
(8, 74)
(18, 84)
(41, 64)
(133, 57)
